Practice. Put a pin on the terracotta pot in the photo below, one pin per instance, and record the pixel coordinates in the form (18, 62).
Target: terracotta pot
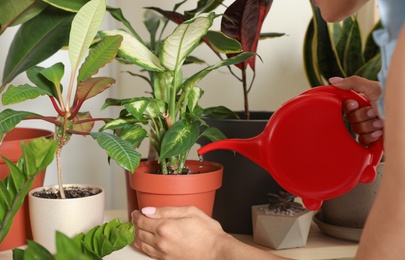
(20, 230)
(178, 190)
(70, 216)
(279, 231)
(132, 200)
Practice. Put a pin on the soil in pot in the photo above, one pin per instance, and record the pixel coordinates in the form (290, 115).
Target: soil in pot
(72, 192)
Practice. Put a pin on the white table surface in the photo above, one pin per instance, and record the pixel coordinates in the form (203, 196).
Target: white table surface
(319, 246)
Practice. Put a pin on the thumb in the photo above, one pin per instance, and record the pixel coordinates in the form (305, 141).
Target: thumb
(169, 212)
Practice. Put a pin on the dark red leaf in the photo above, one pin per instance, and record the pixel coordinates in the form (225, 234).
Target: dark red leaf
(243, 21)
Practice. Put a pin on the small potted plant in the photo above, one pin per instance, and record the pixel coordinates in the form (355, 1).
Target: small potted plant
(172, 116)
(283, 223)
(69, 120)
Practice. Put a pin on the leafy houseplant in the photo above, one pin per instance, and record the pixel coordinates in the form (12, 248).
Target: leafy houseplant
(172, 113)
(283, 223)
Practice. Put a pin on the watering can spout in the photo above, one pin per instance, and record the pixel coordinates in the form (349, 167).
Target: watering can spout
(250, 148)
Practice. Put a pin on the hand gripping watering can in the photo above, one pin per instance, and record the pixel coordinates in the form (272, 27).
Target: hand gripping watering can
(307, 148)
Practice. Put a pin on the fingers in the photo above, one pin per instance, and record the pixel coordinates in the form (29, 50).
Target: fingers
(172, 212)
(371, 89)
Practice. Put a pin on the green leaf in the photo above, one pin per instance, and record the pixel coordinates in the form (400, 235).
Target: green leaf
(353, 57)
(99, 56)
(17, 12)
(21, 93)
(133, 134)
(71, 5)
(36, 251)
(371, 68)
(10, 118)
(371, 49)
(35, 76)
(178, 139)
(37, 154)
(135, 52)
(84, 28)
(119, 150)
(341, 44)
(214, 134)
(66, 248)
(36, 41)
(222, 43)
(311, 67)
(54, 73)
(219, 112)
(184, 39)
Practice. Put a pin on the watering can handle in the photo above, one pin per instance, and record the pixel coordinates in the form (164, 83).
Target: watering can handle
(376, 148)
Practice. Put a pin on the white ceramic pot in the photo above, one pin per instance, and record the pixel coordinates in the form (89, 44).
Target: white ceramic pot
(69, 216)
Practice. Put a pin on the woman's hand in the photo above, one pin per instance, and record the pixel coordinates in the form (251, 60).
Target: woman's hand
(365, 121)
(177, 233)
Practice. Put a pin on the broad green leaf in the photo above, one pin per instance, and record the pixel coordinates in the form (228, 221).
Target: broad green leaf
(151, 20)
(219, 112)
(66, 248)
(21, 93)
(222, 43)
(193, 98)
(84, 28)
(54, 73)
(133, 134)
(178, 139)
(10, 118)
(184, 39)
(35, 76)
(98, 238)
(92, 87)
(99, 56)
(37, 251)
(214, 134)
(36, 41)
(71, 5)
(135, 52)
(37, 154)
(137, 109)
(119, 150)
(17, 12)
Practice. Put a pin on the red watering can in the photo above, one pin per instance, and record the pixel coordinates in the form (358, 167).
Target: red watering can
(307, 148)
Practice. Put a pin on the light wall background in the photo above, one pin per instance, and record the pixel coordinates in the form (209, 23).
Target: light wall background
(279, 77)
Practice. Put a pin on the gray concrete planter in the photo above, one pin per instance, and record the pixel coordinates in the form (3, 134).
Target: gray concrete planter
(280, 231)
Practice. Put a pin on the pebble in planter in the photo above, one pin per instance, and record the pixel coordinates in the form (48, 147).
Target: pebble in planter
(282, 223)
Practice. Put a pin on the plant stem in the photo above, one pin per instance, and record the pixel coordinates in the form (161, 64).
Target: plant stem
(59, 169)
(245, 93)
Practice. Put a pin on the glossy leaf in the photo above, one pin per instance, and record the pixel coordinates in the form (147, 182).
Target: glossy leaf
(371, 49)
(213, 134)
(310, 61)
(219, 112)
(243, 21)
(10, 118)
(135, 52)
(35, 76)
(37, 155)
(82, 123)
(92, 87)
(17, 12)
(21, 93)
(133, 134)
(178, 139)
(99, 56)
(54, 73)
(184, 39)
(353, 55)
(84, 28)
(71, 5)
(36, 41)
(119, 150)
(222, 43)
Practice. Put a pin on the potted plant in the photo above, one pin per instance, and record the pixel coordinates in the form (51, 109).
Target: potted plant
(69, 119)
(336, 49)
(283, 223)
(172, 114)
